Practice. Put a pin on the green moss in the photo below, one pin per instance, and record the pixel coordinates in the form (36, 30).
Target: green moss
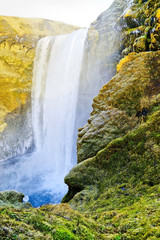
(118, 185)
(121, 103)
(125, 194)
(13, 199)
(144, 14)
(63, 234)
(116, 189)
(48, 222)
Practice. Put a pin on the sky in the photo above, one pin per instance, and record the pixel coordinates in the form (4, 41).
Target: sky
(76, 12)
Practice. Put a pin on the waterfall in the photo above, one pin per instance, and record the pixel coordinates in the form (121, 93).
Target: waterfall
(57, 67)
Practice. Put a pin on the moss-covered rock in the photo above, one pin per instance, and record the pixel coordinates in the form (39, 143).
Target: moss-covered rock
(141, 27)
(58, 222)
(115, 186)
(13, 199)
(118, 185)
(140, 44)
(131, 159)
(122, 103)
(11, 196)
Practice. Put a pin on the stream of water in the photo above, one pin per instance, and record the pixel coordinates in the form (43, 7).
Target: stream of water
(57, 67)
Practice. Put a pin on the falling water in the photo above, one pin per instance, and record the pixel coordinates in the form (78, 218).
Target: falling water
(54, 99)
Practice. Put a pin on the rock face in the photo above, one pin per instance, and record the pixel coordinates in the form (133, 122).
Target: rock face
(116, 183)
(119, 148)
(120, 104)
(102, 53)
(18, 39)
(13, 199)
(124, 109)
(134, 30)
(124, 173)
(143, 29)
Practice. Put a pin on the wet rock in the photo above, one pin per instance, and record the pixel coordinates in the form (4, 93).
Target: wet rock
(13, 198)
(142, 23)
(140, 44)
(131, 20)
(101, 55)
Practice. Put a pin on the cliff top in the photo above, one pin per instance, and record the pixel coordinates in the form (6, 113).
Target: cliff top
(33, 26)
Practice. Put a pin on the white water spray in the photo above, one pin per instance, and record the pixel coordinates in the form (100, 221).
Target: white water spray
(55, 90)
(54, 99)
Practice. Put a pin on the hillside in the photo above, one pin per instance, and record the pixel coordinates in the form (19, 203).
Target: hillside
(114, 190)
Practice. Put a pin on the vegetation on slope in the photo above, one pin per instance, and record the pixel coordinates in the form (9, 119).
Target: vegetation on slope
(117, 179)
(119, 187)
(143, 27)
(58, 222)
(122, 103)
(115, 187)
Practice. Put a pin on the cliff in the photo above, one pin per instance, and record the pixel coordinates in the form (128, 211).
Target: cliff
(137, 26)
(114, 190)
(18, 39)
(102, 53)
(119, 149)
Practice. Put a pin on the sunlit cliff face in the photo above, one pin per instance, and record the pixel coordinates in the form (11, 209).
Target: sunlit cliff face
(19, 37)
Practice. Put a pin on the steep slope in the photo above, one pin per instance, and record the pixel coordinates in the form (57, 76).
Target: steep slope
(145, 17)
(101, 55)
(116, 186)
(117, 178)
